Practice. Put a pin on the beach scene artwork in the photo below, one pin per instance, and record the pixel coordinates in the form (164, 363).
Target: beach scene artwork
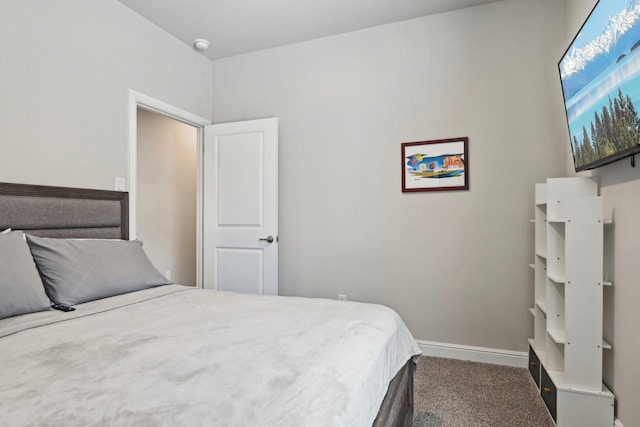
(433, 165)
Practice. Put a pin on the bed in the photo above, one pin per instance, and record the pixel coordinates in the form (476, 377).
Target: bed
(125, 347)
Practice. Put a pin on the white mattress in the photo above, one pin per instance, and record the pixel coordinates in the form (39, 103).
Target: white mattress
(177, 356)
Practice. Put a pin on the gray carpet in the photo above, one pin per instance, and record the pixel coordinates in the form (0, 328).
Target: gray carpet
(457, 393)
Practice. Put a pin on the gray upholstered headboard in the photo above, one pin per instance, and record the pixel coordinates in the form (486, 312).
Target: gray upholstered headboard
(64, 212)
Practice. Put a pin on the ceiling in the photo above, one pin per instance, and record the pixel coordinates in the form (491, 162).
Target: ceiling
(239, 26)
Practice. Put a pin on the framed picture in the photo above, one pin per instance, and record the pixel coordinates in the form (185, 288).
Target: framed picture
(439, 165)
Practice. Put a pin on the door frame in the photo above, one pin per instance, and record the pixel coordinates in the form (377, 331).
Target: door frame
(139, 100)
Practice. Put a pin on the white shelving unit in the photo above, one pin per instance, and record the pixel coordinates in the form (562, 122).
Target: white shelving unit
(565, 354)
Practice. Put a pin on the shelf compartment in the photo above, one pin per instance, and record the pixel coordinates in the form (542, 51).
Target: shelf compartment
(540, 282)
(540, 326)
(542, 305)
(555, 298)
(560, 381)
(556, 221)
(541, 195)
(555, 360)
(556, 253)
(540, 219)
(557, 336)
(556, 278)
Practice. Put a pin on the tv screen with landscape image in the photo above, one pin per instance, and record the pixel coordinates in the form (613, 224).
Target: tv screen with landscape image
(600, 76)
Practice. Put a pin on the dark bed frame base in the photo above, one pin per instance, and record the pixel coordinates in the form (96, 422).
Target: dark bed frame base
(397, 407)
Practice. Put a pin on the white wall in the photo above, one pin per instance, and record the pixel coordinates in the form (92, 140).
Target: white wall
(167, 185)
(619, 188)
(66, 68)
(453, 264)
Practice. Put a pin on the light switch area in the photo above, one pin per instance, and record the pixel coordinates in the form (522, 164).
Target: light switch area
(121, 184)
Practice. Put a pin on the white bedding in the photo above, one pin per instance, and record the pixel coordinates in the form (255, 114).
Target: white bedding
(176, 356)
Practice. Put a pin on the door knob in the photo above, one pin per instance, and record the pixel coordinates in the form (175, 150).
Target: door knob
(268, 239)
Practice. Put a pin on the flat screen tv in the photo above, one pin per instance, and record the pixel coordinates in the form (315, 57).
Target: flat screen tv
(600, 75)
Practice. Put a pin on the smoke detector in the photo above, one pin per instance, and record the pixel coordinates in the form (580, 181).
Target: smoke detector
(201, 44)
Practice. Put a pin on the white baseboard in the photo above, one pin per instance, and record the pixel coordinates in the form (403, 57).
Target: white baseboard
(517, 359)
(617, 423)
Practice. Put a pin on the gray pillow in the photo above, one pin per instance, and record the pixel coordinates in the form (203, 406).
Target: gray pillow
(21, 289)
(80, 270)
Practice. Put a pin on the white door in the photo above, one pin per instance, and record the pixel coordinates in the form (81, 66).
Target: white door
(240, 207)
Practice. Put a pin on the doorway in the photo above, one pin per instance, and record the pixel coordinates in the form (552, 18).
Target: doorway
(167, 254)
(166, 196)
